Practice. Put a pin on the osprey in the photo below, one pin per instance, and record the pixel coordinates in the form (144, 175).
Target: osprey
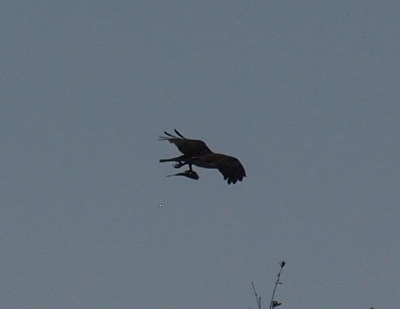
(196, 152)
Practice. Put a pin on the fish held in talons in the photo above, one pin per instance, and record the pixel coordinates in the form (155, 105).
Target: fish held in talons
(190, 174)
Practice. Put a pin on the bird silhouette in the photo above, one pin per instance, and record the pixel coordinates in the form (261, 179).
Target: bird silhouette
(196, 152)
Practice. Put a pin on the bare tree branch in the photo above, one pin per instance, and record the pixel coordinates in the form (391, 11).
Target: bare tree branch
(273, 302)
(258, 299)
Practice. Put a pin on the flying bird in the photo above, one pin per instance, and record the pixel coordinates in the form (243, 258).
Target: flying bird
(196, 152)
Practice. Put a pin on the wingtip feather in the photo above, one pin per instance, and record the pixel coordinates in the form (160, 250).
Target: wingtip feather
(179, 134)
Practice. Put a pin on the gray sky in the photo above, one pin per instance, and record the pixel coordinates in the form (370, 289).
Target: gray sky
(304, 93)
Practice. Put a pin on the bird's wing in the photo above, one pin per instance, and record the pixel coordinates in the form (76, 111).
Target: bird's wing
(189, 147)
(231, 169)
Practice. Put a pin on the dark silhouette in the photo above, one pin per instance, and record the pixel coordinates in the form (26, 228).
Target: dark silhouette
(196, 152)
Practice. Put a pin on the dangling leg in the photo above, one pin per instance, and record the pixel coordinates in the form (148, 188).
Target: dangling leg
(186, 162)
(177, 159)
(181, 161)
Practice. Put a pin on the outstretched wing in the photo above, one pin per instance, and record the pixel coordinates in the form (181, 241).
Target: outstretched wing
(231, 169)
(189, 147)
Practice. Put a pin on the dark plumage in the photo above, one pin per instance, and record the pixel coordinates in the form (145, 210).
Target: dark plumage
(189, 147)
(229, 167)
(196, 152)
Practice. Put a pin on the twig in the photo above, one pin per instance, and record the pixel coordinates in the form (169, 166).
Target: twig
(258, 299)
(273, 302)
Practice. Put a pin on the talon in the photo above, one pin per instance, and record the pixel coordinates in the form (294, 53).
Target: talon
(178, 165)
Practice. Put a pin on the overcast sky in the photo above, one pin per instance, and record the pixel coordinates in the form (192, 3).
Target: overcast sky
(304, 93)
